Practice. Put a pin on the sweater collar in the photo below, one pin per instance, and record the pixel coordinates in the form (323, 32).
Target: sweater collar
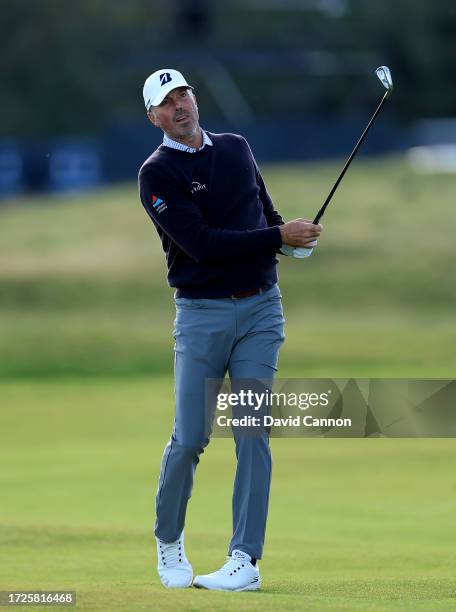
(174, 144)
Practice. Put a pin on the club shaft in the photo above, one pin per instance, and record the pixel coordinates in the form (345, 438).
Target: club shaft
(348, 162)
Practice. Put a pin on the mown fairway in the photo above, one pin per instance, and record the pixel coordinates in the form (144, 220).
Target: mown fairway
(354, 524)
(86, 402)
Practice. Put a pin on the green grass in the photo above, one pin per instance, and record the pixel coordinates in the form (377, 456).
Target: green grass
(83, 290)
(354, 524)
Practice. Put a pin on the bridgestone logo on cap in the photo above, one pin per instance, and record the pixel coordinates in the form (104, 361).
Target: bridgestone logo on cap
(165, 78)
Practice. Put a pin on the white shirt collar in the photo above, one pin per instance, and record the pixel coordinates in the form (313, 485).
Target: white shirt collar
(173, 144)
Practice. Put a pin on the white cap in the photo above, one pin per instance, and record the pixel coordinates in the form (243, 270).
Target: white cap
(160, 83)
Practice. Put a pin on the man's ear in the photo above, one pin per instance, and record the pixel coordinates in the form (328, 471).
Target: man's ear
(153, 118)
(194, 98)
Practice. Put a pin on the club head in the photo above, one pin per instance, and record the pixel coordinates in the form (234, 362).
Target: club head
(384, 74)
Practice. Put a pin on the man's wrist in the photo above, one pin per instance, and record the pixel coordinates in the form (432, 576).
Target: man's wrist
(281, 234)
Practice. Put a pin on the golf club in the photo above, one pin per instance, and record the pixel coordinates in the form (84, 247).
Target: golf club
(384, 74)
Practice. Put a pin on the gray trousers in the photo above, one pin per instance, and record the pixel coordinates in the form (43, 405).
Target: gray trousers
(213, 336)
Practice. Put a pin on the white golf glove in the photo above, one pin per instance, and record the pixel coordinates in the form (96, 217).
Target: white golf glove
(297, 252)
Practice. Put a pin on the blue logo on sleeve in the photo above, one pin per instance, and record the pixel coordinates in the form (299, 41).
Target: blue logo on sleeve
(158, 204)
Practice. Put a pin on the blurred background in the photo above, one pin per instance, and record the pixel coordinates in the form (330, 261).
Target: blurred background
(86, 353)
(82, 275)
(71, 111)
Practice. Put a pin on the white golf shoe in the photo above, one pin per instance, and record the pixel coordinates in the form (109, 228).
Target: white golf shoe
(173, 567)
(238, 574)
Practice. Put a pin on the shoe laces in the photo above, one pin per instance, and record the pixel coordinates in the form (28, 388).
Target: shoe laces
(233, 566)
(171, 554)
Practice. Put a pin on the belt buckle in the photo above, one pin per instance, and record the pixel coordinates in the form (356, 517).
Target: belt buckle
(244, 294)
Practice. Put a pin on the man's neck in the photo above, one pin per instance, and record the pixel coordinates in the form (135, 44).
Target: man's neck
(195, 141)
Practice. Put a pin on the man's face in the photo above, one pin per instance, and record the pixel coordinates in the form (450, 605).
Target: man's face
(177, 115)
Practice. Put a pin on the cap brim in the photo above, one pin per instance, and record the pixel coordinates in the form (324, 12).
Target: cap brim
(165, 91)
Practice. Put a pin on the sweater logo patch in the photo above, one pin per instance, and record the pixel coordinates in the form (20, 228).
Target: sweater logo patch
(158, 204)
(198, 186)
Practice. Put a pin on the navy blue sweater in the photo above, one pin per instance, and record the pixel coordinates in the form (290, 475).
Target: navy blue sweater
(215, 218)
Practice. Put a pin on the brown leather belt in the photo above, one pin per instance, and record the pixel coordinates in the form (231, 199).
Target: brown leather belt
(245, 294)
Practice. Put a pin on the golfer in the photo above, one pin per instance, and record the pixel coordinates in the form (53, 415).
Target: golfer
(221, 234)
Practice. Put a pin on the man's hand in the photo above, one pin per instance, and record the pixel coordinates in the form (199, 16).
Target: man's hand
(300, 232)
